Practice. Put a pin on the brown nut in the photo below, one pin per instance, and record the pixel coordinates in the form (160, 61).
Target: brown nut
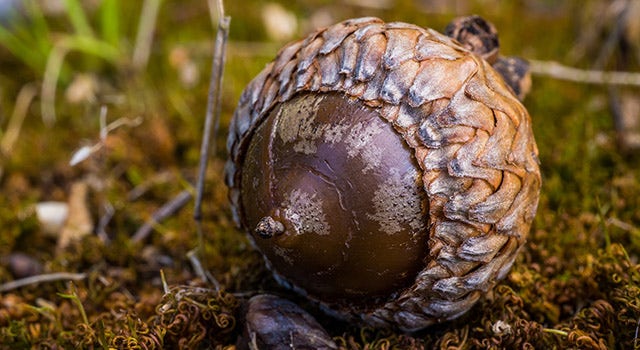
(278, 324)
(384, 171)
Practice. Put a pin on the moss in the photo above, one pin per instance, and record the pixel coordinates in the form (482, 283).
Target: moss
(575, 285)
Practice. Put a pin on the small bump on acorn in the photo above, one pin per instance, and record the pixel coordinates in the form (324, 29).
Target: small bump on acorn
(268, 227)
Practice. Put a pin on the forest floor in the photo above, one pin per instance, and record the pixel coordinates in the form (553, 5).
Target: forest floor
(100, 282)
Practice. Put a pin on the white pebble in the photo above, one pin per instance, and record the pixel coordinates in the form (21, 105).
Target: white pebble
(52, 216)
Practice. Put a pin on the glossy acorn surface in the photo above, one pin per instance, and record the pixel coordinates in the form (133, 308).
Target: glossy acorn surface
(343, 183)
(385, 171)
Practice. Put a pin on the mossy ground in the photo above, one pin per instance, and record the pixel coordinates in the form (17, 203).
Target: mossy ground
(575, 285)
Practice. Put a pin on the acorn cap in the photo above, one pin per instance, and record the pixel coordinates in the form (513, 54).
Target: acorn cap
(464, 129)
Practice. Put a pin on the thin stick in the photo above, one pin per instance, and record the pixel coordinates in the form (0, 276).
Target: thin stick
(164, 212)
(50, 277)
(213, 106)
(109, 212)
(199, 270)
(212, 117)
(558, 71)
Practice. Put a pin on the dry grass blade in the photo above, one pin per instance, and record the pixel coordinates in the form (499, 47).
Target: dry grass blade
(145, 33)
(33, 280)
(23, 101)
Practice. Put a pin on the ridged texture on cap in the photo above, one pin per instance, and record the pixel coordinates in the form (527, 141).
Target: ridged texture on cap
(470, 135)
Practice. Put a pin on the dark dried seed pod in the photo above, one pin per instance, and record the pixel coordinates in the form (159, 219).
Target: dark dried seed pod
(277, 324)
(384, 171)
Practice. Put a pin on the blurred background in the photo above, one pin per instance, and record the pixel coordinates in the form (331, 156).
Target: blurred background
(101, 112)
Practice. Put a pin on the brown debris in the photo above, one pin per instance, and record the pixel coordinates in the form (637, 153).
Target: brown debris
(79, 222)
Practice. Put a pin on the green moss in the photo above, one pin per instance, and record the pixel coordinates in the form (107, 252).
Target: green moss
(575, 285)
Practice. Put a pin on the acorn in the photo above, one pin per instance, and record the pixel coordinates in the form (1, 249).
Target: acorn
(386, 171)
(278, 324)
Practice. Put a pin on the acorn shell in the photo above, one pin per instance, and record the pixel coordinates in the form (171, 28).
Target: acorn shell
(469, 135)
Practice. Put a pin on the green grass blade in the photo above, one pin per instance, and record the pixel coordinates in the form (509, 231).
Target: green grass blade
(92, 46)
(55, 62)
(21, 50)
(78, 18)
(110, 21)
(38, 27)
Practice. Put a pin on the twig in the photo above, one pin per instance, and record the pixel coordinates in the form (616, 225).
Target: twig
(85, 152)
(144, 38)
(109, 211)
(204, 275)
(558, 71)
(212, 119)
(589, 35)
(144, 187)
(130, 122)
(213, 105)
(622, 225)
(50, 277)
(164, 212)
(613, 39)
